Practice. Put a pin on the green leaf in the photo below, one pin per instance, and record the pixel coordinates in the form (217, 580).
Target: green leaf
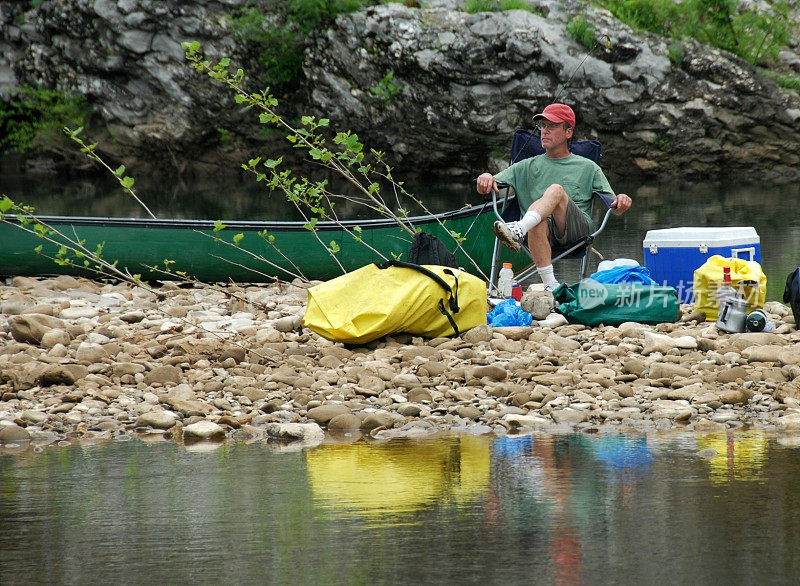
(218, 226)
(334, 247)
(272, 163)
(126, 182)
(38, 248)
(306, 120)
(237, 238)
(323, 122)
(6, 204)
(120, 170)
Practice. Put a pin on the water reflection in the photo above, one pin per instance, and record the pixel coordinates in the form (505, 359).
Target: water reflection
(397, 477)
(567, 508)
(738, 456)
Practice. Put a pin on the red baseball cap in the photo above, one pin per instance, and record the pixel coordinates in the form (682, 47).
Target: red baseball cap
(558, 113)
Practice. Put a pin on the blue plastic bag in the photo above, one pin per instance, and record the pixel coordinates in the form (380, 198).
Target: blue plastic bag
(508, 313)
(624, 274)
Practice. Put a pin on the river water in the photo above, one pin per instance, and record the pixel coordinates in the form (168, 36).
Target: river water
(615, 508)
(772, 209)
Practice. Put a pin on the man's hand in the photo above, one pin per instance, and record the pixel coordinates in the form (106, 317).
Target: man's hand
(621, 204)
(487, 184)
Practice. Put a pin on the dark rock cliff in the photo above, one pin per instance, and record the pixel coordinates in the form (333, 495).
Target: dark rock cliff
(464, 83)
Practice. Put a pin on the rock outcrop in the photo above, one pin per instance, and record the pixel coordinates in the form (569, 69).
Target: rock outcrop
(464, 82)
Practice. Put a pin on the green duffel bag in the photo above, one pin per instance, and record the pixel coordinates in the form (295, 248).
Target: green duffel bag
(592, 303)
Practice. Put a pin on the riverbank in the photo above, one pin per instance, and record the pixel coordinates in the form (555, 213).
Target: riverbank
(80, 359)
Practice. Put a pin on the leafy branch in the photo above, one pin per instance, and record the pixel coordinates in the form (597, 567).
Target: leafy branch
(346, 156)
(125, 182)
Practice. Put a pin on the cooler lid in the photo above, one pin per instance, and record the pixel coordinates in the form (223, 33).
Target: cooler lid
(687, 237)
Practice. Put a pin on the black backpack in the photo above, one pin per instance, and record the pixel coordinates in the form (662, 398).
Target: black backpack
(791, 295)
(427, 249)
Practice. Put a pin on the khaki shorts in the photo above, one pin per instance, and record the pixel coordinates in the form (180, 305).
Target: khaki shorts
(576, 226)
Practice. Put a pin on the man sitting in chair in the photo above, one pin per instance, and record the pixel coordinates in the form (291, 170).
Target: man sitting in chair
(556, 186)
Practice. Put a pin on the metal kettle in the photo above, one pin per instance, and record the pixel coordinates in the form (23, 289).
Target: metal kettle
(732, 315)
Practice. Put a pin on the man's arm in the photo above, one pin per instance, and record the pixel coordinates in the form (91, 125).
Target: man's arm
(621, 204)
(487, 184)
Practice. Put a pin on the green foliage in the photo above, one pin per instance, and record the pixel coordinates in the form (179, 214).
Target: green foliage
(789, 82)
(341, 153)
(661, 144)
(656, 16)
(278, 48)
(677, 51)
(278, 42)
(754, 35)
(385, 89)
(475, 6)
(582, 30)
(31, 118)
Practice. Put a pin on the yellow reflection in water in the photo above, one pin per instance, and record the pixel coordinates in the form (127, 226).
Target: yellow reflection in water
(378, 479)
(739, 457)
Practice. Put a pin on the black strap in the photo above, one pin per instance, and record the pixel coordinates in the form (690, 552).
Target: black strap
(452, 301)
(449, 317)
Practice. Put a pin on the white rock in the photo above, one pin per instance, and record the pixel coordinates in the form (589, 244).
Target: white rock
(654, 342)
(204, 430)
(553, 320)
(91, 353)
(79, 312)
(306, 432)
(516, 421)
(569, 416)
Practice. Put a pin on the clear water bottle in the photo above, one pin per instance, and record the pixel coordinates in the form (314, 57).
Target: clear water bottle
(505, 281)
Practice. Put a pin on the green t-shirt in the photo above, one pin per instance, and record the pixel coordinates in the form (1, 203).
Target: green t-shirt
(578, 176)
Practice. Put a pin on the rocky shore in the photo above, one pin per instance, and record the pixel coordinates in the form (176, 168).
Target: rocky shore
(81, 359)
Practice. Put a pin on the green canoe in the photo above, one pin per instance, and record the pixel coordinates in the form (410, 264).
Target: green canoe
(136, 243)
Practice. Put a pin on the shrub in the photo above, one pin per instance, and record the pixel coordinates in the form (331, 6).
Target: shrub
(385, 89)
(582, 30)
(31, 118)
(657, 16)
(277, 44)
(475, 6)
(789, 82)
(677, 51)
(755, 36)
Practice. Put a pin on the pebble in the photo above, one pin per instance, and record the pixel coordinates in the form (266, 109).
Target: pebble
(157, 418)
(204, 430)
(120, 362)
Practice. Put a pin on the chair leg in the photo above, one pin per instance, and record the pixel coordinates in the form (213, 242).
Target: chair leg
(495, 269)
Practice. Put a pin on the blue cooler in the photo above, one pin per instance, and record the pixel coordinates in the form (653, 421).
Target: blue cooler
(673, 254)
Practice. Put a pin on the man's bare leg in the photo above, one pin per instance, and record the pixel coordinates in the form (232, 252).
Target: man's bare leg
(554, 201)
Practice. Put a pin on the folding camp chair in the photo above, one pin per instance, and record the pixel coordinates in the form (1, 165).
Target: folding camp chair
(525, 145)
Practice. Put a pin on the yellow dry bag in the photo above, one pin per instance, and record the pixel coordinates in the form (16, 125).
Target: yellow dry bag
(746, 277)
(378, 300)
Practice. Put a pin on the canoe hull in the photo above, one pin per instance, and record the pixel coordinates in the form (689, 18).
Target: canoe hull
(264, 251)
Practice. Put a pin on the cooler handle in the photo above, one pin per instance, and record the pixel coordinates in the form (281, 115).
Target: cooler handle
(751, 251)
